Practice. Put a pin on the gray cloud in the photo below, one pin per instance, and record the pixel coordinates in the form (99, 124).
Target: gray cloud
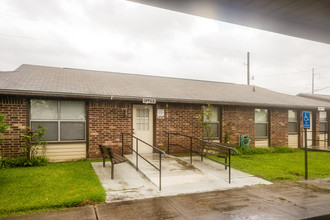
(123, 36)
(134, 19)
(39, 9)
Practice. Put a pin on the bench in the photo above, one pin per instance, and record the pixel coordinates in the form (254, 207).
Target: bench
(204, 149)
(107, 152)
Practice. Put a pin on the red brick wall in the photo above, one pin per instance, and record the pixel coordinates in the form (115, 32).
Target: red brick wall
(237, 121)
(107, 119)
(278, 120)
(15, 111)
(179, 118)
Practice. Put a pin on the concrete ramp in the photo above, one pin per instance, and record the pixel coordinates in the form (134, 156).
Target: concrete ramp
(179, 176)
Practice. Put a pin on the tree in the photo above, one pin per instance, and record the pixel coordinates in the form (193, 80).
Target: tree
(3, 127)
(33, 138)
(203, 119)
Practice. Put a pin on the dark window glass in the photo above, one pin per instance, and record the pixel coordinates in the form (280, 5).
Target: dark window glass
(69, 115)
(261, 130)
(72, 131)
(51, 133)
(214, 129)
(293, 127)
(323, 126)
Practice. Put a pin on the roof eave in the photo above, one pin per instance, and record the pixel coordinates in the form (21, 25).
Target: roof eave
(29, 93)
(309, 96)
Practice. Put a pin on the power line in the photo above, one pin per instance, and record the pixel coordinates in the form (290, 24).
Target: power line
(29, 38)
(285, 74)
(294, 73)
(170, 43)
(220, 48)
(317, 90)
(27, 18)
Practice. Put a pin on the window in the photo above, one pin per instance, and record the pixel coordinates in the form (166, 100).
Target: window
(323, 122)
(63, 120)
(142, 119)
(293, 122)
(213, 122)
(261, 123)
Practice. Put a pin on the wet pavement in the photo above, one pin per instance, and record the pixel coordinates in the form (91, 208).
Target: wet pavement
(289, 200)
(178, 177)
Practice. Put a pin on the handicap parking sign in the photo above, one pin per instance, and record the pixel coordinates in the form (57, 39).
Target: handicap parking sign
(306, 119)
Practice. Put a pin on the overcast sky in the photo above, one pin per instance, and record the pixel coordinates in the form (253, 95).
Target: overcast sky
(122, 36)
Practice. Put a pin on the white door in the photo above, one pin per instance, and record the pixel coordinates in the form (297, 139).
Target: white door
(143, 127)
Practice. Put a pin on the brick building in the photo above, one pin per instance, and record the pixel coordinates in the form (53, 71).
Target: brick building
(82, 109)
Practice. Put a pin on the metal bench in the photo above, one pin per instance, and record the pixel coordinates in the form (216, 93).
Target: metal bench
(107, 152)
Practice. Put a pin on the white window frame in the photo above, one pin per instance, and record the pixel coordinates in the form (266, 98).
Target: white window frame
(142, 121)
(59, 120)
(217, 123)
(325, 122)
(266, 123)
(293, 121)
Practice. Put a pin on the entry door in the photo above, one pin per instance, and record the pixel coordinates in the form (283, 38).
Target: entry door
(143, 127)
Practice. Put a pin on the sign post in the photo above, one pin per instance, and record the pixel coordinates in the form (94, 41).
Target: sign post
(306, 125)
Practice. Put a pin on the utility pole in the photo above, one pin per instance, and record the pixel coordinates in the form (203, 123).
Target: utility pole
(313, 81)
(248, 68)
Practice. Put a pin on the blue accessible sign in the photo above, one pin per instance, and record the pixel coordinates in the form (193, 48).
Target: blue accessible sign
(306, 119)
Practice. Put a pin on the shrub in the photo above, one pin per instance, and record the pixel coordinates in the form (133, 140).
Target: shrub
(282, 149)
(33, 137)
(23, 162)
(3, 127)
(260, 150)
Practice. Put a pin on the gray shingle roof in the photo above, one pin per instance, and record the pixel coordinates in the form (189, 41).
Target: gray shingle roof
(316, 96)
(32, 79)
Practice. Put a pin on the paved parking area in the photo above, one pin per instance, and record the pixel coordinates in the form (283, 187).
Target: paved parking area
(289, 200)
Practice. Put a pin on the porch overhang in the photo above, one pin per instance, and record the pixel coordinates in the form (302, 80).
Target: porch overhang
(305, 19)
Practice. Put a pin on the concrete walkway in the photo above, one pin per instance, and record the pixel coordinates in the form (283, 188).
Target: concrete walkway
(290, 200)
(178, 177)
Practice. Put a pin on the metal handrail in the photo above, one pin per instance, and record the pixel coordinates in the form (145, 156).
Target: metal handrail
(230, 149)
(139, 155)
(324, 140)
(207, 142)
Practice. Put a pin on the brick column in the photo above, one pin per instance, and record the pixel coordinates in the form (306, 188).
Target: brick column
(15, 111)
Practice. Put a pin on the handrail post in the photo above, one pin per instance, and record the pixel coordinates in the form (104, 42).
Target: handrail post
(160, 171)
(203, 146)
(137, 155)
(191, 150)
(168, 143)
(229, 167)
(122, 144)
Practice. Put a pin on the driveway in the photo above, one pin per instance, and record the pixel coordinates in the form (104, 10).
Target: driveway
(289, 200)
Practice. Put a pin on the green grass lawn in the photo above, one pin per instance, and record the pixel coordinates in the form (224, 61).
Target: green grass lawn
(276, 167)
(57, 185)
